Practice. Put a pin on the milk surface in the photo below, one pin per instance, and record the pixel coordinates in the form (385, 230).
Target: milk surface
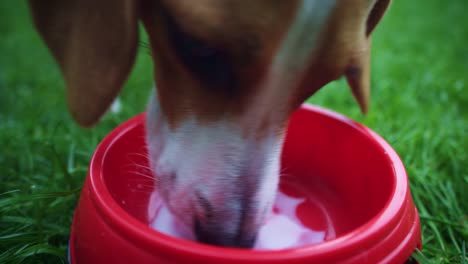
(281, 230)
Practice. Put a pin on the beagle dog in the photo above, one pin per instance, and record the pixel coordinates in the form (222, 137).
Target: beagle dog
(228, 76)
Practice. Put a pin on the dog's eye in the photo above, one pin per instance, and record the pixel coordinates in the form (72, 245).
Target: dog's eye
(210, 64)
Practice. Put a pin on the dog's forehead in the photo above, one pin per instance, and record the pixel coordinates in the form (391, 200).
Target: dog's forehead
(248, 30)
(231, 19)
(332, 28)
(245, 33)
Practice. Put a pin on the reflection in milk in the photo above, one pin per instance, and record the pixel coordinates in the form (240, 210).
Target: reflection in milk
(281, 230)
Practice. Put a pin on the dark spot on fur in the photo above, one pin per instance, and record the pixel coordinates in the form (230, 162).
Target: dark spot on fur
(210, 64)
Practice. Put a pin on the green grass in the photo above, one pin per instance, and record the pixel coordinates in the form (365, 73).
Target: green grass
(419, 105)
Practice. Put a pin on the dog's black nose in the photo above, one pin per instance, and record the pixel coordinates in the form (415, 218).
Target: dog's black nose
(215, 235)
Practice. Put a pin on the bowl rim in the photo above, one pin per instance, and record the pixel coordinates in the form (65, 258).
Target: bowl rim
(145, 237)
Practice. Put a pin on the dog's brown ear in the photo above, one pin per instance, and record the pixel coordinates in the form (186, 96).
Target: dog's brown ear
(358, 72)
(94, 42)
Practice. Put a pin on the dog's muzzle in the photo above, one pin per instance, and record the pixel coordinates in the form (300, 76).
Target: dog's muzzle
(215, 235)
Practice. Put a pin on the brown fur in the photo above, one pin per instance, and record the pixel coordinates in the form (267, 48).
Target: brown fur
(95, 44)
(249, 39)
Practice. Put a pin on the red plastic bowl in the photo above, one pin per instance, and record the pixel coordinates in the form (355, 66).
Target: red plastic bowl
(356, 183)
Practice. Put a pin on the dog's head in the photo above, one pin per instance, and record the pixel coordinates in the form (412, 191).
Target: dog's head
(228, 74)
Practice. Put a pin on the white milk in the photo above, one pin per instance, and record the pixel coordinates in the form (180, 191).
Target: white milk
(281, 230)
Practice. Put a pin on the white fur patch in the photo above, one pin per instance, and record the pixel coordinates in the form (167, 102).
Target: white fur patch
(215, 161)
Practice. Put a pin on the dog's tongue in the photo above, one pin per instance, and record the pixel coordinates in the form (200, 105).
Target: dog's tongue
(281, 230)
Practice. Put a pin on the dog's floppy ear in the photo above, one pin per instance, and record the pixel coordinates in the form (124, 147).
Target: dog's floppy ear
(358, 72)
(94, 42)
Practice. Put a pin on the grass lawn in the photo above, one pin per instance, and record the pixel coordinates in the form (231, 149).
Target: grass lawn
(419, 105)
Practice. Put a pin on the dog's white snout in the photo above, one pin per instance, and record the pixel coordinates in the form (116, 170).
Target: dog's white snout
(213, 178)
